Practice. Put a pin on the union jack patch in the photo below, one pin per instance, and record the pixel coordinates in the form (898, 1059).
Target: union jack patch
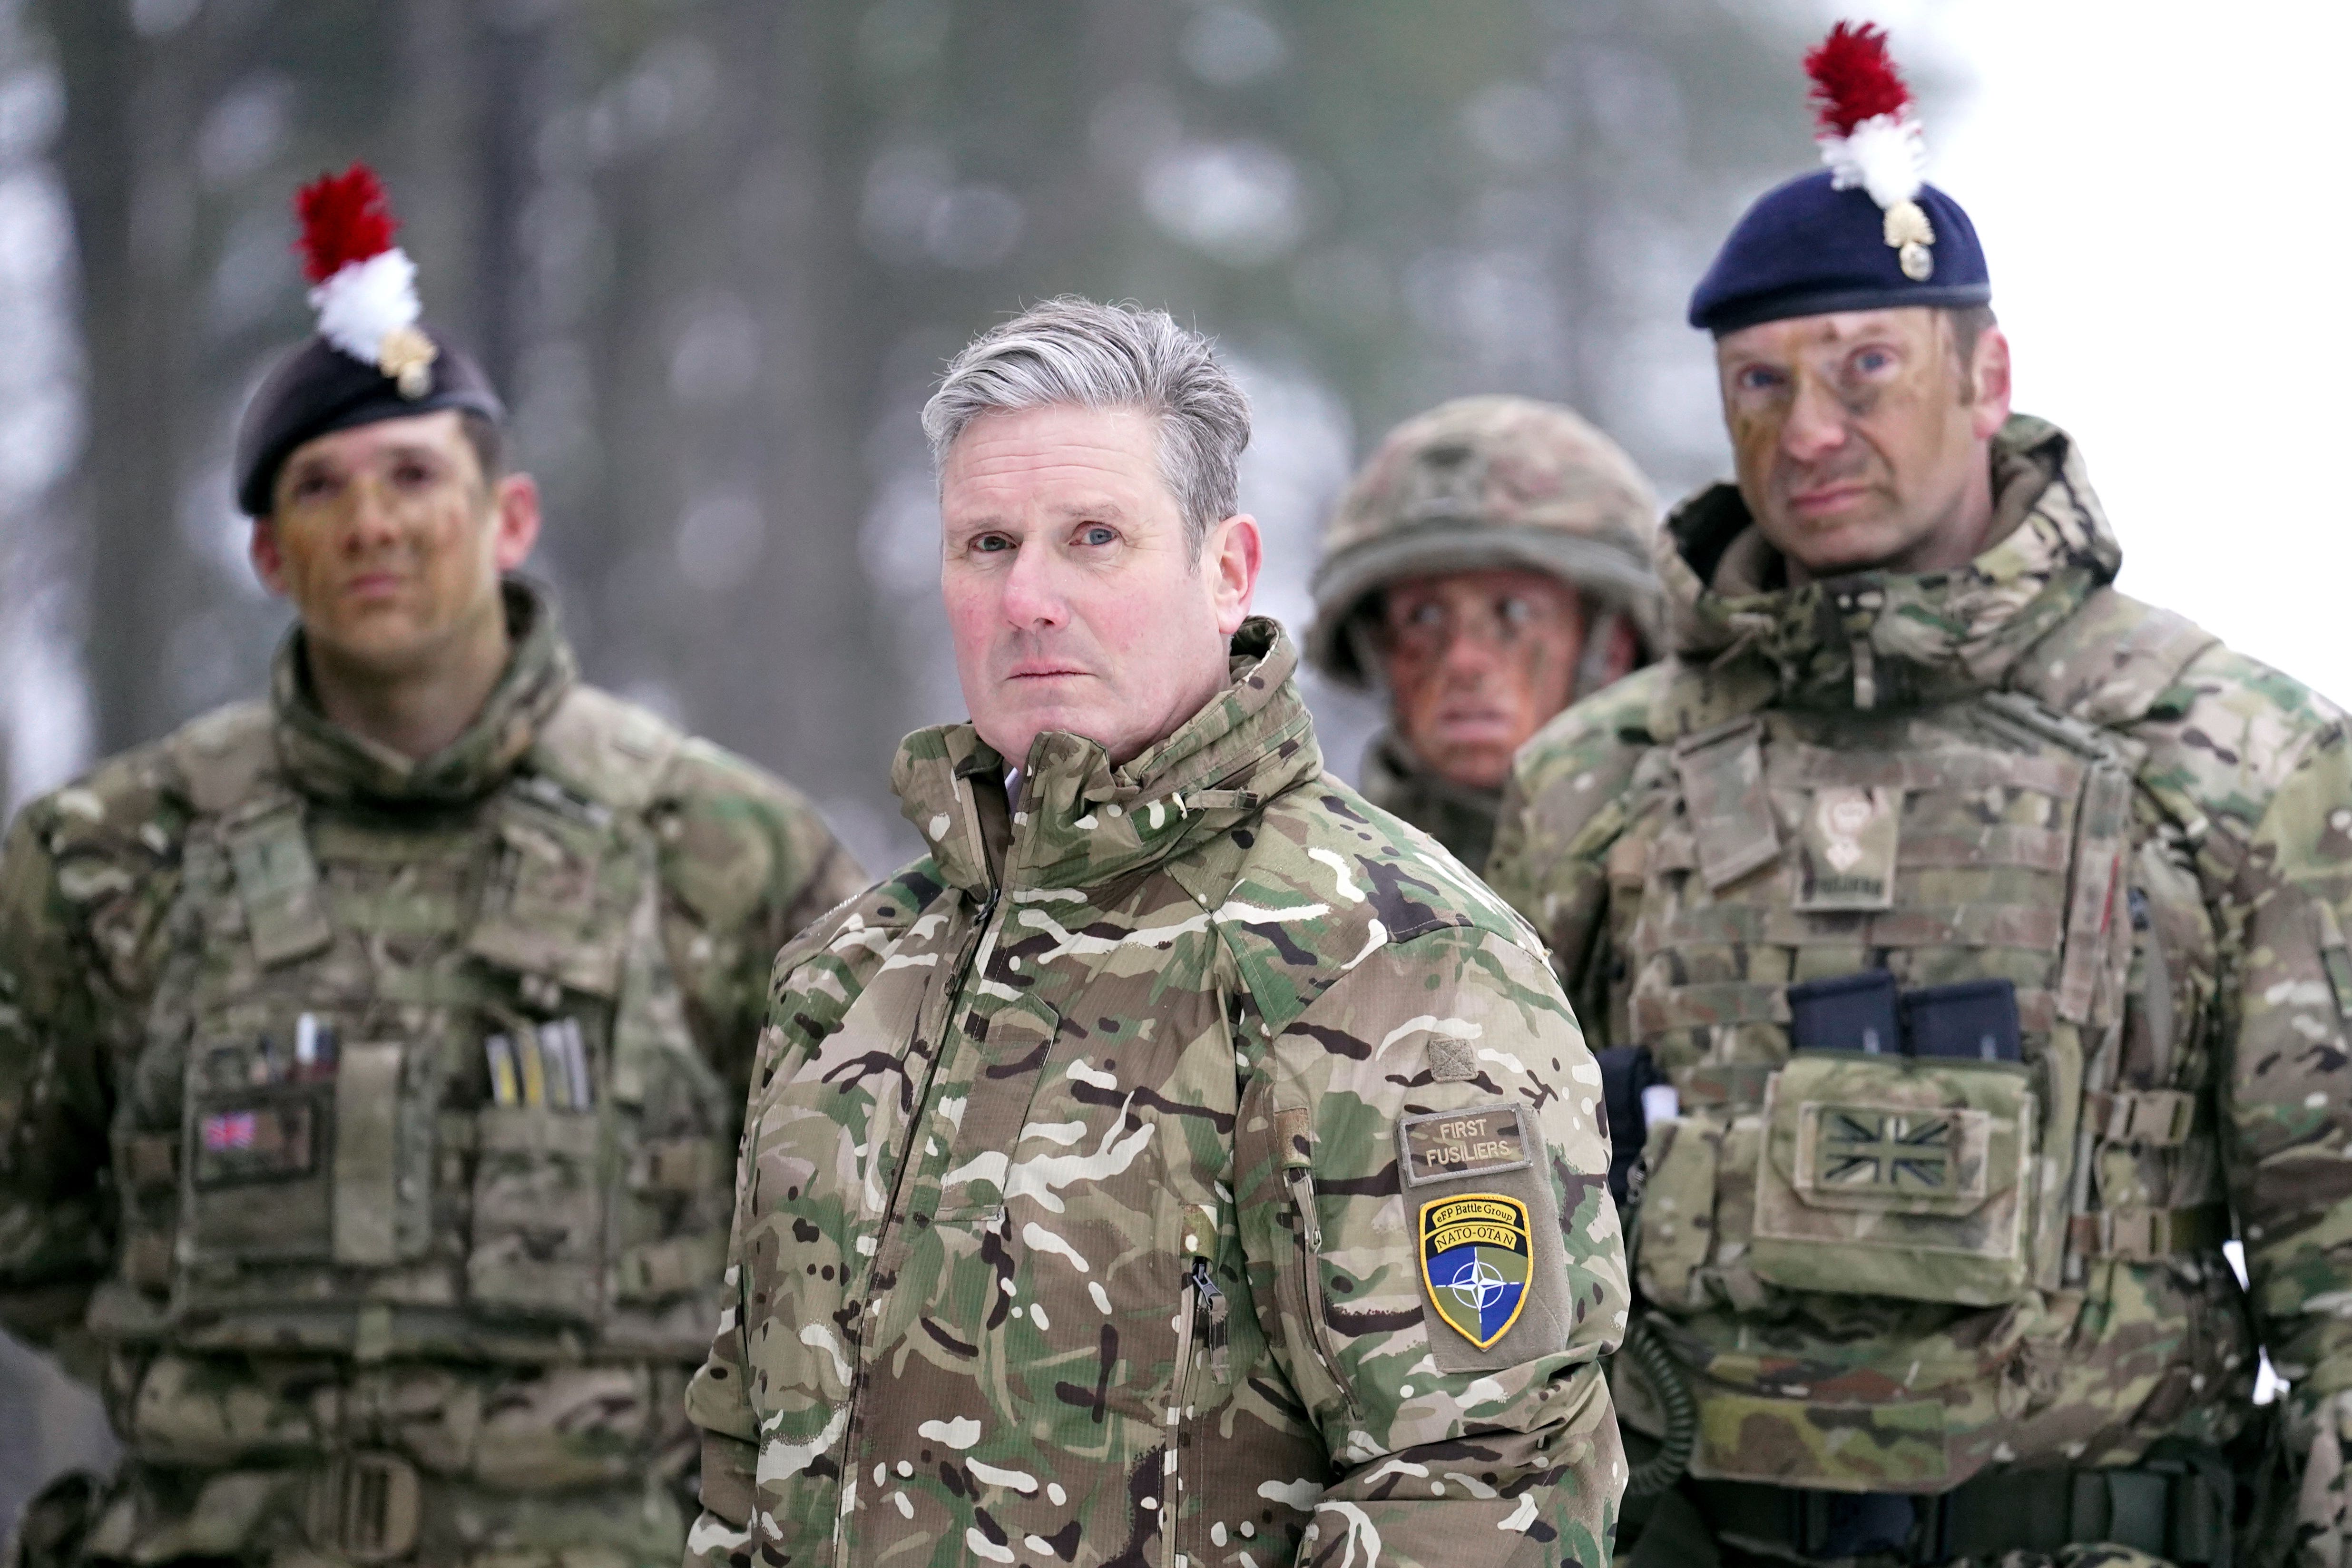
(1864, 1149)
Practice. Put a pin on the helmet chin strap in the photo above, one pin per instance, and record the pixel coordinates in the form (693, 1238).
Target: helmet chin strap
(1365, 643)
(1600, 635)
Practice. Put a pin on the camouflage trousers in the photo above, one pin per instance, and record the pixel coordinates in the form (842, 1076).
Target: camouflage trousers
(358, 1510)
(299, 1462)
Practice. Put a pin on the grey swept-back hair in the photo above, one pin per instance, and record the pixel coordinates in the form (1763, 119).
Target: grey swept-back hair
(1072, 350)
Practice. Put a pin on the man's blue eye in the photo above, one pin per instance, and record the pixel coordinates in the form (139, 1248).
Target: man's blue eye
(1099, 535)
(1873, 360)
(992, 544)
(1758, 379)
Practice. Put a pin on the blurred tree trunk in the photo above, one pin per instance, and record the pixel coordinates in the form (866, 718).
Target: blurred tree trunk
(131, 115)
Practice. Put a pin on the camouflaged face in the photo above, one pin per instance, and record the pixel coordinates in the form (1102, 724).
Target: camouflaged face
(161, 899)
(1486, 482)
(2227, 1002)
(1070, 1225)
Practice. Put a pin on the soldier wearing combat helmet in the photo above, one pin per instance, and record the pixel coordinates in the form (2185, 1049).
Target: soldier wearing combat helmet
(372, 1056)
(1489, 566)
(1970, 936)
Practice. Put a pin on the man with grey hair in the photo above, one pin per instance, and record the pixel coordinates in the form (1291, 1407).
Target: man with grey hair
(1183, 1161)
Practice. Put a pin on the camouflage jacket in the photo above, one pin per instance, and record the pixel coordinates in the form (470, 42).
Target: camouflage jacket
(1401, 784)
(2183, 999)
(98, 933)
(1072, 1226)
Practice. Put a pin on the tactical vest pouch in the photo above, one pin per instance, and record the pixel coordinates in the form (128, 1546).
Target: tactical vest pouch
(256, 1184)
(308, 1169)
(549, 907)
(1692, 1245)
(539, 1213)
(1896, 1177)
(278, 882)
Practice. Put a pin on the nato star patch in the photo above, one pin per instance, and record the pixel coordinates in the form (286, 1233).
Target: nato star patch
(1475, 1260)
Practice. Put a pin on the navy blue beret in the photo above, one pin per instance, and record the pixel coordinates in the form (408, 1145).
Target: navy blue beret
(318, 389)
(1805, 249)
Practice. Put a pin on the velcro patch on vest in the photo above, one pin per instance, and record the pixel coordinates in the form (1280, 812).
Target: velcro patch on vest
(1444, 1146)
(1863, 1148)
(1475, 1259)
(1849, 844)
(256, 1143)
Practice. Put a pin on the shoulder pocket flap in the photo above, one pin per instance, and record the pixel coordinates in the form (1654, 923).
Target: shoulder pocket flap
(1730, 813)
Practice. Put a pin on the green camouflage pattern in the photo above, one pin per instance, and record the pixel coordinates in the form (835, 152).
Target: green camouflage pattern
(1456, 815)
(2216, 1003)
(501, 1304)
(1070, 1227)
(1485, 482)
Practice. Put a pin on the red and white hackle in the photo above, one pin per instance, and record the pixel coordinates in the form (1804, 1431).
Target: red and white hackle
(1870, 137)
(364, 286)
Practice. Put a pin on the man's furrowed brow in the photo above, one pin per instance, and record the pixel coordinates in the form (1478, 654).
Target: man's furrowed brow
(1106, 511)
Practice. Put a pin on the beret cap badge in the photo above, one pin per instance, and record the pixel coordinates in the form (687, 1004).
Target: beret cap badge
(1910, 233)
(1869, 136)
(364, 286)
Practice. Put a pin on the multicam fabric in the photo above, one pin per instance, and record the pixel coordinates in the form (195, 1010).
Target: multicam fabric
(1485, 482)
(253, 1164)
(2196, 1052)
(1070, 1225)
(1460, 818)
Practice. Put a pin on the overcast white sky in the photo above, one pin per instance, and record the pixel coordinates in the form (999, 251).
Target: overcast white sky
(2162, 192)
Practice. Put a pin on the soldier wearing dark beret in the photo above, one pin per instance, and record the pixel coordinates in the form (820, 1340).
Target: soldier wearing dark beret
(1966, 944)
(372, 1055)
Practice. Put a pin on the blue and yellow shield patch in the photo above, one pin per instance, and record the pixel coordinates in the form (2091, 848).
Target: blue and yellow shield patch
(1474, 1258)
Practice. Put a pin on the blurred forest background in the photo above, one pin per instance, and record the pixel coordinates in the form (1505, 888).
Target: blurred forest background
(715, 251)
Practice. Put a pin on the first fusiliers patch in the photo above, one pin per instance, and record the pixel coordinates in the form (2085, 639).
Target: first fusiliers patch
(1474, 1258)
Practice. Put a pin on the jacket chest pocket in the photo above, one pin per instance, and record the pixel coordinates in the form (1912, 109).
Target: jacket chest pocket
(993, 1144)
(821, 1155)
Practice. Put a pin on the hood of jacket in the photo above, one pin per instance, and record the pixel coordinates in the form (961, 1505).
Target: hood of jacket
(1081, 821)
(1744, 638)
(327, 761)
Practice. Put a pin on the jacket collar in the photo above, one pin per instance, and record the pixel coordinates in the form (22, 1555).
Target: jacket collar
(1457, 815)
(327, 761)
(1743, 639)
(1083, 822)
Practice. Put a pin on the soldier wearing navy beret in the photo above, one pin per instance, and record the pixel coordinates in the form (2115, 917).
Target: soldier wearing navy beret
(1965, 942)
(371, 1057)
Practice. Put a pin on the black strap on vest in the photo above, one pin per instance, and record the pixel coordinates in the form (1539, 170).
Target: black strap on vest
(2177, 1504)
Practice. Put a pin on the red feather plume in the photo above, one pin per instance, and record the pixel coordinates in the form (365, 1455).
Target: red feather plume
(345, 219)
(1854, 79)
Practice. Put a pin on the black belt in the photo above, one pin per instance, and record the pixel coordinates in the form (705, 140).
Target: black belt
(2175, 1504)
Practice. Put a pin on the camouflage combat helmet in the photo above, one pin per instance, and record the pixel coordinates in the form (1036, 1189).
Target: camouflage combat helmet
(1485, 482)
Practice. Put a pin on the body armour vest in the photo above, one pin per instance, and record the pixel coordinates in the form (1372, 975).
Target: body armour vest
(1934, 987)
(422, 1084)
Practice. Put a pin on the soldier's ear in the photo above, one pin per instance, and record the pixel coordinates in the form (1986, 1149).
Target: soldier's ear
(268, 563)
(515, 520)
(1989, 384)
